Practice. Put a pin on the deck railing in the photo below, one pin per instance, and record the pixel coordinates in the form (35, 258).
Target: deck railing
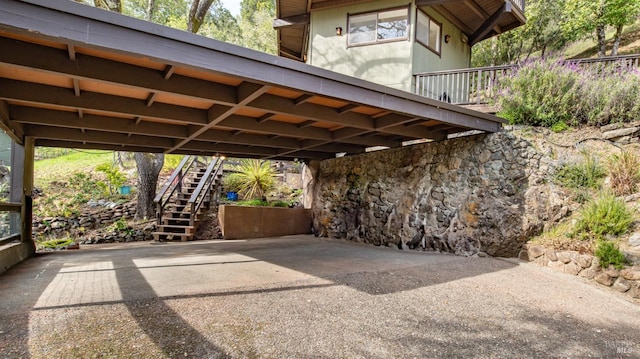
(519, 4)
(477, 85)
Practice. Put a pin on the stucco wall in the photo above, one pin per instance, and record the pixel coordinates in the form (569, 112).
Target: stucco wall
(486, 193)
(391, 64)
(238, 222)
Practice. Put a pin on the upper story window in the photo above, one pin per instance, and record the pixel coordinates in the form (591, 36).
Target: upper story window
(379, 26)
(428, 32)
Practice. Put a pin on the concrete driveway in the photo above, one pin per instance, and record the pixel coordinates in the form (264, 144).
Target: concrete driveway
(303, 297)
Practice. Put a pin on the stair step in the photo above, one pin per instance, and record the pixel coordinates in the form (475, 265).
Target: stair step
(157, 236)
(174, 228)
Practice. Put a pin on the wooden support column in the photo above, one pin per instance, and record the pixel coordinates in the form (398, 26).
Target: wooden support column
(27, 191)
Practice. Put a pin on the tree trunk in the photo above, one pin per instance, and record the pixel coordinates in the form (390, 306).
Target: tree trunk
(111, 5)
(616, 41)
(602, 44)
(151, 9)
(149, 166)
(197, 12)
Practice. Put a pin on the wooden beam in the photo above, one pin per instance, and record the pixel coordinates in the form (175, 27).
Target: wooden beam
(488, 25)
(95, 137)
(52, 61)
(13, 130)
(95, 146)
(281, 105)
(433, 2)
(64, 119)
(43, 94)
(295, 20)
(454, 19)
(245, 93)
(328, 4)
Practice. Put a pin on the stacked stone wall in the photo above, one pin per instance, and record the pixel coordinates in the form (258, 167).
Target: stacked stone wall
(481, 194)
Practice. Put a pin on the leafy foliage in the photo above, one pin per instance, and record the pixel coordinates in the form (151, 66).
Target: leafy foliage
(624, 172)
(547, 92)
(609, 254)
(255, 178)
(115, 177)
(586, 174)
(539, 93)
(606, 215)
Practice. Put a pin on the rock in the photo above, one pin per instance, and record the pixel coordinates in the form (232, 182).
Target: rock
(535, 251)
(619, 133)
(634, 292)
(572, 268)
(588, 273)
(630, 274)
(584, 261)
(541, 261)
(604, 279)
(634, 240)
(551, 255)
(557, 266)
(621, 285)
(564, 257)
(612, 272)
(611, 127)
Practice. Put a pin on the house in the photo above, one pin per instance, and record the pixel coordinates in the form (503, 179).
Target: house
(390, 41)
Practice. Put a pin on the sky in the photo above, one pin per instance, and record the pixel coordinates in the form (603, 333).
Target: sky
(233, 6)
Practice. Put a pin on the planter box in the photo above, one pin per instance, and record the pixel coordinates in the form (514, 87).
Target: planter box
(237, 222)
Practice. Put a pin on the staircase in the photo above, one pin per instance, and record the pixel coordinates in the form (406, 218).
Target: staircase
(192, 188)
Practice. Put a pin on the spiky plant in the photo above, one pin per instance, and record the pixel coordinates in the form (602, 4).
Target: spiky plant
(255, 177)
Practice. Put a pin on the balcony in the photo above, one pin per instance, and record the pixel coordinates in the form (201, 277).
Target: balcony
(474, 87)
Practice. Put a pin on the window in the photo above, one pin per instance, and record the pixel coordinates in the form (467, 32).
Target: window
(380, 26)
(428, 32)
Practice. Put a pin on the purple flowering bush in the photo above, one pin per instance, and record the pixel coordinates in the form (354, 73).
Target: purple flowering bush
(553, 92)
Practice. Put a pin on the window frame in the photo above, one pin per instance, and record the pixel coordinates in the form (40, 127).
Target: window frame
(438, 49)
(406, 37)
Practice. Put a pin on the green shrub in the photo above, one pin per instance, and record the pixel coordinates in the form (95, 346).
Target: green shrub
(606, 215)
(56, 243)
(586, 174)
(554, 93)
(624, 173)
(559, 126)
(609, 254)
(115, 177)
(538, 93)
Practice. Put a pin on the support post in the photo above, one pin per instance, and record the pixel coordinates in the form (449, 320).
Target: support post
(27, 192)
(309, 176)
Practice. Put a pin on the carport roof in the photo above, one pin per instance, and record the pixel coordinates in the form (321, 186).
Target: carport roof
(75, 76)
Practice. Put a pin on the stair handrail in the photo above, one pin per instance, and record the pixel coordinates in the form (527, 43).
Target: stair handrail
(198, 195)
(172, 184)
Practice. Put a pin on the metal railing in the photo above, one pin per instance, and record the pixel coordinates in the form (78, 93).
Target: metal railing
(476, 85)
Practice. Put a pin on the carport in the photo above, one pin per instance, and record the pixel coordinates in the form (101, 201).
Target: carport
(80, 77)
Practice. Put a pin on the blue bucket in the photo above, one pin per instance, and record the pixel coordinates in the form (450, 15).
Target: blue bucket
(125, 190)
(232, 196)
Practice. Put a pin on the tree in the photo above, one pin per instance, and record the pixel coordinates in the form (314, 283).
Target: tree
(256, 19)
(197, 13)
(587, 16)
(149, 166)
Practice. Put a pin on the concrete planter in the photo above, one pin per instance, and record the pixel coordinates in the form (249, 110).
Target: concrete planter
(237, 222)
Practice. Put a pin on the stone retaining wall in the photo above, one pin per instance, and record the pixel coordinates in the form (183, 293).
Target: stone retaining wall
(102, 215)
(473, 195)
(624, 281)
